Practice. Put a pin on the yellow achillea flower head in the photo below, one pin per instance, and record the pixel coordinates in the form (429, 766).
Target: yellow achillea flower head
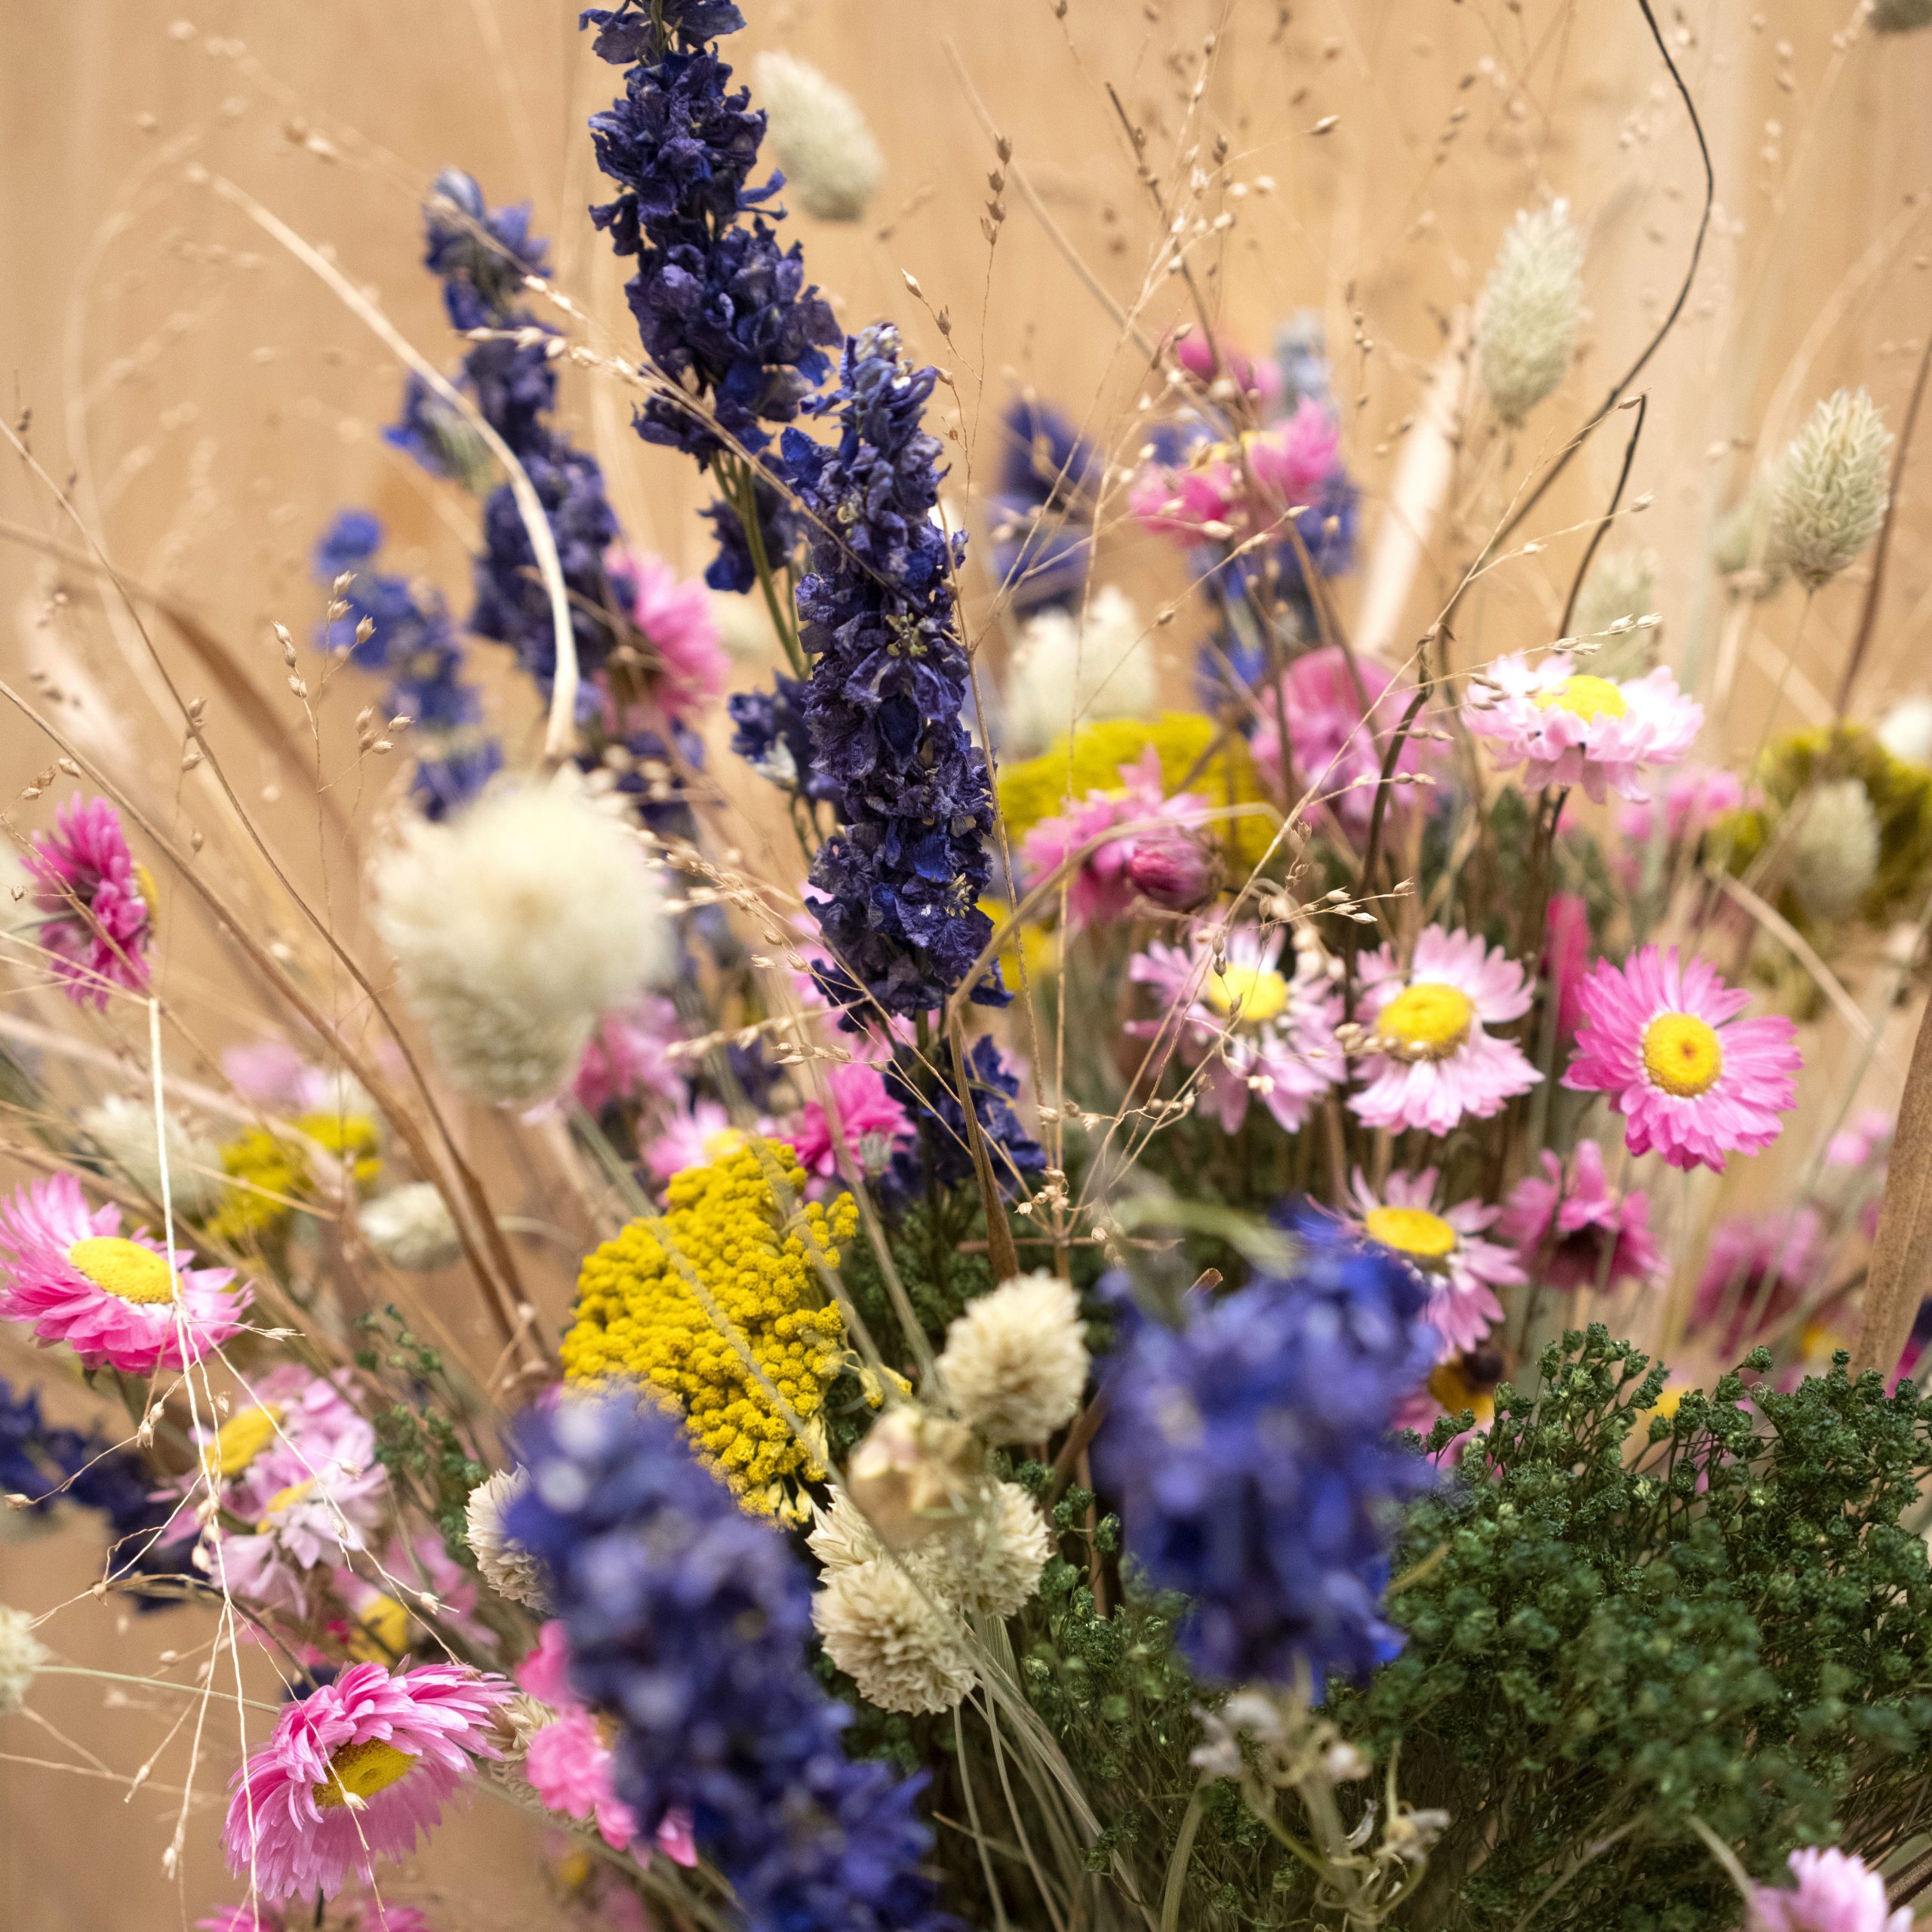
(267, 1165)
(639, 1313)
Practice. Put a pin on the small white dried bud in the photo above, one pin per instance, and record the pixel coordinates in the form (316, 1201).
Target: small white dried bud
(410, 1228)
(1015, 1363)
(1829, 493)
(819, 133)
(1741, 545)
(123, 1128)
(1834, 850)
(22, 1655)
(1067, 672)
(506, 1565)
(1527, 329)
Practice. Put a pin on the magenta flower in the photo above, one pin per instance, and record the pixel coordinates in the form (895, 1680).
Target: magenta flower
(97, 905)
(1187, 502)
(1207, 359)
(239, 1918)
(1572, 1231)
(676, 620)
(1566, 957)
(691, 1137)
(1836, 1892)
(1435, 1064)
(1691, 1079)
(1341, 712)
(1755, 1273)
(359, 1769)
(1446, 1249)
(628, 1057)
(1570, 728)
(869, 1123)
(299, 1533)
(111, 1297)
(1290, 460)
(1694, 797)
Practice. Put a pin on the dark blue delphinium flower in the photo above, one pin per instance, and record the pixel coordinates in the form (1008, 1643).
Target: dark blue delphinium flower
(896, 891)
(1042, 511)
(941, 1121)
(735, 568)
(1250, 1453)
(688, 1621)
(770, 734)
(480, 255)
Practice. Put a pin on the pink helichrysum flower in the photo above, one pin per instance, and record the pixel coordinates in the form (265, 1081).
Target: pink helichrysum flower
(379, 1915)
(1693, 797)
(416, 1576)
(310, 1526)
(1568, 727)
(358, 1769)
(691, 1136)
(1570, 1230)
(240, 1919)
(1187, 501)
(1836, 1892)
(1866, 1137)
(96, 904)
(864, 1121)
(1755, 1272)
(676, 618)
(1208, 358)
(1291, 460)
(1566, 956)
(1445, 1248)
(629, 1056)
(1341, 712)
(111, 1297)
(1692, 1079)
(1435, 1063)
(1253, 1027)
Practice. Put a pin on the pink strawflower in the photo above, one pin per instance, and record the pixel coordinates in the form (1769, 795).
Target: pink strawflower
(1694, 796)
(377, 1915)
(1692, 1080)
(1251, 1026)
(285, 1425)
(1755, 1273)
(414, 1575)
(1836, 1892)
(1341, 712)
(1569, 727)
(1865, 1138)
(1205, 358)
(693, 1137)
(870, 1123)
(1445, 1248)
(1566, 957)
(676, 618)
(109, 1296)
(1437, 1063)
(1572, 1231)
(96, 903)
(1187, 501)
(629, 1056)
(359, 1769)
(239, 1918)
(299, 1534)
(1291, 460)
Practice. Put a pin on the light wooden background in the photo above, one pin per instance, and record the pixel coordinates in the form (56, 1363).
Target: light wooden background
(206, 403)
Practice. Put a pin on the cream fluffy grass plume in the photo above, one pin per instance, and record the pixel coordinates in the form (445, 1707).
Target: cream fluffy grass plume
(514, 928)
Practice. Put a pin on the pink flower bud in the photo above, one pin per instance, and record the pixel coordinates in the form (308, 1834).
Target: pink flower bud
(1176, 870)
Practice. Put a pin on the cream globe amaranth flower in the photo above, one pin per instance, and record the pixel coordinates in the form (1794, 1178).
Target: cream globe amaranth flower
(903, 1650)
(989, 1565)
(410, 1228)
(22, 1656)
(1834, 849)
(832, 164)
(1906, 729)
(1617, 612)
(123, 1128)
(1015, 1362)
(504, 1564)
(1068, 671)
(1527, 330)
(1830, 489)
(514, 928)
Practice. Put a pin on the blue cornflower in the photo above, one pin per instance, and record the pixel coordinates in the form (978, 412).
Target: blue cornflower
(689, 1622)
(1250, 1453)
(897, 891)
(1042, 510)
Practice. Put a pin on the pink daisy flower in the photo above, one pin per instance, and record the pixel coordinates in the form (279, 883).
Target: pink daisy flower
(1572, 1231)
(1434, 1063)
(1692, 1080)
(629, 1056)
(1291, 460)
(1695, 796)
(1461, 1270)
(1203, 357)
(1755, 1273)
(1187, 502)
(109, 1296)
(1341, 713)
(1570, 728)
(1255, 1028)
(359, 1769)
(300, 1532)
(377, 1915)
(869, 1123)
(97, 905)
(676, 618)
(693, 1136)
(1836, 1892)
(239, 1918)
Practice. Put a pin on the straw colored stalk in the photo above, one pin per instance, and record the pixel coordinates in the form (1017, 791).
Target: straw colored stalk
(1901, 1271)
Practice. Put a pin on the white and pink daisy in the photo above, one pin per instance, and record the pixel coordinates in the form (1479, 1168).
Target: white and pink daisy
(1446, 1249)
(293, 1425)
(1253, 1027)
(112, 1298)
(1571, 1229)
(1692, 1080)
(1568, 727)
(1836, 1892)
(358, 1769)
(677, 622)
(310, 1527)
(864, 1122)
(1433, 1063)
(96, 904)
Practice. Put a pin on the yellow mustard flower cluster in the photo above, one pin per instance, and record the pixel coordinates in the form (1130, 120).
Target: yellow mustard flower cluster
(266, 1165)
(638, 1314)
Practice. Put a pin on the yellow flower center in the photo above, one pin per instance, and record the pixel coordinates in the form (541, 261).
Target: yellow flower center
(1414, 1232)
(124, 1268)
(358, 1771)
(1586, 698)
(1682, 1055)
(1254, 994)
(150, 894)
(243, 1438)
(726, 1142)
(1427, 1021)
(381, 1632)
(1456, 1392)
(284, 1499)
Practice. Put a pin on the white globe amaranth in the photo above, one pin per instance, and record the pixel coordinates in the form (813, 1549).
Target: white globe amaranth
(990, 1564)
(1906, 729)
(504, 1564)
(903, 1650)
(410, 1227)
(22, 1656)
(514, 927)
(1834, 849)
(1526, 332)
(1015, 1362)
(831, 163)
(122, 1127)
(1066, 672)
(1830, 489)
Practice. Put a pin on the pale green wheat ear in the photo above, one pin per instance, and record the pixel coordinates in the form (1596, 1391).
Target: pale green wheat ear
(832, 164)
(1829, 492)
(1527, 331)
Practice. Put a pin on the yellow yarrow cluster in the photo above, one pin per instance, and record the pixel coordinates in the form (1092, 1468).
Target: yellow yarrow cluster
(1096, 754)
(638, 1313)
(267, 1165)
